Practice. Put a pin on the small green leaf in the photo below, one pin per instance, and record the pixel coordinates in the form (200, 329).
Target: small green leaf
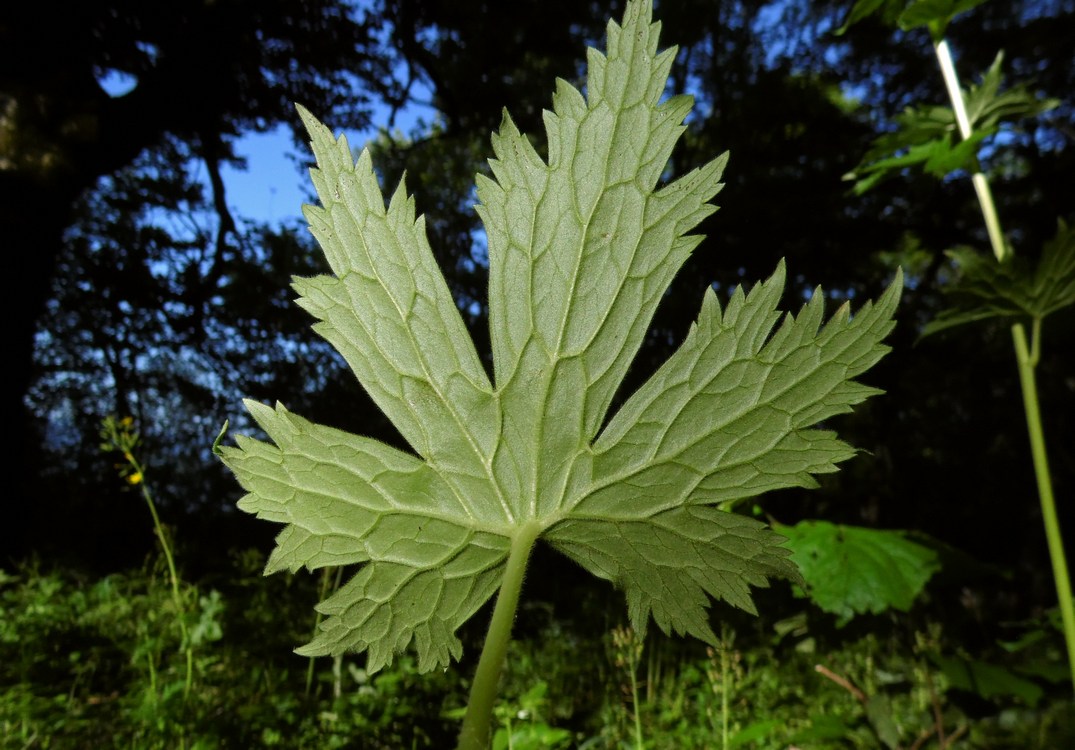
(988, 106)
(582, 247)
(889, 10)
(851, 570)
(937, 157)
(821, 727)
(879, 714)
(219, 438)
(927, 135)
(758, 730)
(987, 289)
(934, 14)
(909, 14)
(987, 680)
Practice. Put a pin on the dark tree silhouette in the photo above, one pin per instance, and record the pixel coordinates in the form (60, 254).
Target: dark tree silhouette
(202, 74)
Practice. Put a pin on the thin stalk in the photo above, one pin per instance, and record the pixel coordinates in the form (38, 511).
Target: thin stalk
(1027, 360)
(152, 678)
(723, 700)
(326, 578)
(640, 743)
(119, 435)
(337, 677)
(725, 645)
(173, 576)
(981, 184)
(477, 721)
(1028, 357)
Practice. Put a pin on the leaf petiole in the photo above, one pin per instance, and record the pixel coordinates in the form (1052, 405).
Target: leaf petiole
(477, 723)
(1027, 359)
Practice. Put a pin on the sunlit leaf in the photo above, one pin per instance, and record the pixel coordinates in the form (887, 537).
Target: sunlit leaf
(582, 247)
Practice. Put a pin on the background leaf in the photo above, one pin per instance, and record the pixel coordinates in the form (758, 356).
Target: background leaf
(936, 14)
(927, 134)
(987, 680)
(851, 570)
(988, 289)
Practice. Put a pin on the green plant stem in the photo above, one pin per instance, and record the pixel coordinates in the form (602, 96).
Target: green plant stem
(981, 184)
(477, 721)
(1028, 359)
(173, 576)
(724, 679)
(152, 678)
(326, 578)
(633, 666)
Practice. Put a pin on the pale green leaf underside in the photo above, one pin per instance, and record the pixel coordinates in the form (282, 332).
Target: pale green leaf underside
(672, 562)
(349, 499)
(581, 249)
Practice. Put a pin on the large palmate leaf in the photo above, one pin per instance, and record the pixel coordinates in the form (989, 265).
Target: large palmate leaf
(582, 246)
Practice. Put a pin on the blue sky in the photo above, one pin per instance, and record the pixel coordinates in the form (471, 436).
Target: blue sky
(273, 187)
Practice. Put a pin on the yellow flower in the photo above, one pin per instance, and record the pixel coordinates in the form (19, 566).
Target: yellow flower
(135, 478)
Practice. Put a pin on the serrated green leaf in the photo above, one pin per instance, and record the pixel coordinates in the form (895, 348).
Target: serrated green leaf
(988, 106)
(987, 289)
(850, 570)
(349, 499)
(582, 246)
(927, 135)
(937, 157)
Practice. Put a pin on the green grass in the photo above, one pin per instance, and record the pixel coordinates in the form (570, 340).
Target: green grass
(87, 663)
